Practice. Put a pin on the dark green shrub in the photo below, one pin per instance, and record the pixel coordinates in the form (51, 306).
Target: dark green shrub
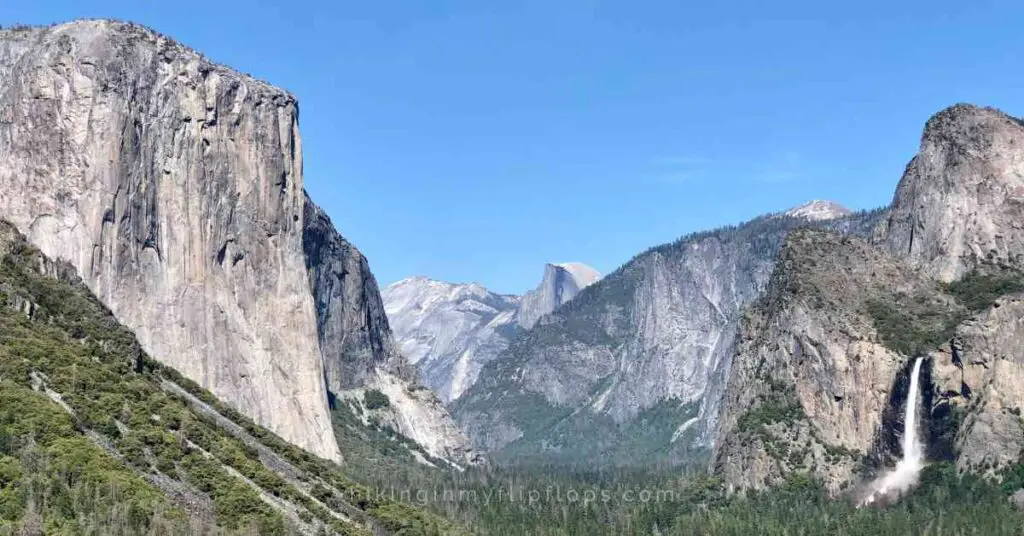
(374, 399)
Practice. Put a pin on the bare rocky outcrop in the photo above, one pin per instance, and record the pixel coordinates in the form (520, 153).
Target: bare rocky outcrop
(561, 282)
(450, 331)
(819, 210)
(811, 379)
(174, 186)
(359, 351)
(821, 367)
(981, 375)
(961, 199)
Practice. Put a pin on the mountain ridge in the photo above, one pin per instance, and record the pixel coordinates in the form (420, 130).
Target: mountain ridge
(450, 330)
(940, 278)
(175, 187)
(649, 337)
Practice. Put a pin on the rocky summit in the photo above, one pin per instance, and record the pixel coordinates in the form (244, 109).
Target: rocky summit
(450, 331)
(561, 283)
(174, 186)
(960, 202)
(818, 210)
(190, 346)
(821, 366)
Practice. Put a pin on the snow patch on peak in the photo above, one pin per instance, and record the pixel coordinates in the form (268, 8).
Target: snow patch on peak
(819, 210)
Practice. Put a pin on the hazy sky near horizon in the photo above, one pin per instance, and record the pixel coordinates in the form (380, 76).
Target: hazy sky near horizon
(476, 140)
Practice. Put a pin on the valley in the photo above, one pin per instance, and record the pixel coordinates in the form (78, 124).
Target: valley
(190, 345)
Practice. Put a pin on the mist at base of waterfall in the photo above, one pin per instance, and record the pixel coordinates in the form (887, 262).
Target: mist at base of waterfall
(899, 480)
(893, 484)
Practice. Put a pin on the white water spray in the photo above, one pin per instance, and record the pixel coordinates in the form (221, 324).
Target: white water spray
(904, 476)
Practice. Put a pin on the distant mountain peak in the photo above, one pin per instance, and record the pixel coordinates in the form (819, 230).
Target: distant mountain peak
(819, 210)
(562, 281)
(450, 330)
(583, 274)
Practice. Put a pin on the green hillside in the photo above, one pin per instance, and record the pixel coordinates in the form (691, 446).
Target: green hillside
(96, 438)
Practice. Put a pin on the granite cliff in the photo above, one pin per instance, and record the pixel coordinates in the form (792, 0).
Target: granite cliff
(174, 186)
(632, 369)
(820, 371)
(96, 437)
(450, 331)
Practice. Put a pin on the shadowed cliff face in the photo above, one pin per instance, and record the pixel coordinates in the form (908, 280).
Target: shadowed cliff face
(358, 349)
(353, 328)
(983, 385)
(174, 186)
(886, 450)
(940, 416)
(937, 420)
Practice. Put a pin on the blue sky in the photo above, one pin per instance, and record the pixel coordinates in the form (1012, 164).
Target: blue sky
(476, 140)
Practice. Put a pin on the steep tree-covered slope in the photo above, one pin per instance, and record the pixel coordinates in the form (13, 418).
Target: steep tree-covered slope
(174, 186)
(98, 438)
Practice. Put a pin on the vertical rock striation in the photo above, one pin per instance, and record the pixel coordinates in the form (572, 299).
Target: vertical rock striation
(645, 344)
(823, 356)
(961, 200)
(560, 284)
(978, 378)
(354, 335)
(450, 331)
(358, 349)
(174, 186)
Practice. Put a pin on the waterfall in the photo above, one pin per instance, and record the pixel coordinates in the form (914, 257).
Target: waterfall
(904, 476)
(911, 444)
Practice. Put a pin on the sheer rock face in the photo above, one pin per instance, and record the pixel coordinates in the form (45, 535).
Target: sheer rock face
(659, 329)
(811, 343)
(560, 284)
(353, 327)
(809, 347)
(359, 351)
(989, 363)
(174, 186)
(960, 207)
(961, 200)
(648, 332)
